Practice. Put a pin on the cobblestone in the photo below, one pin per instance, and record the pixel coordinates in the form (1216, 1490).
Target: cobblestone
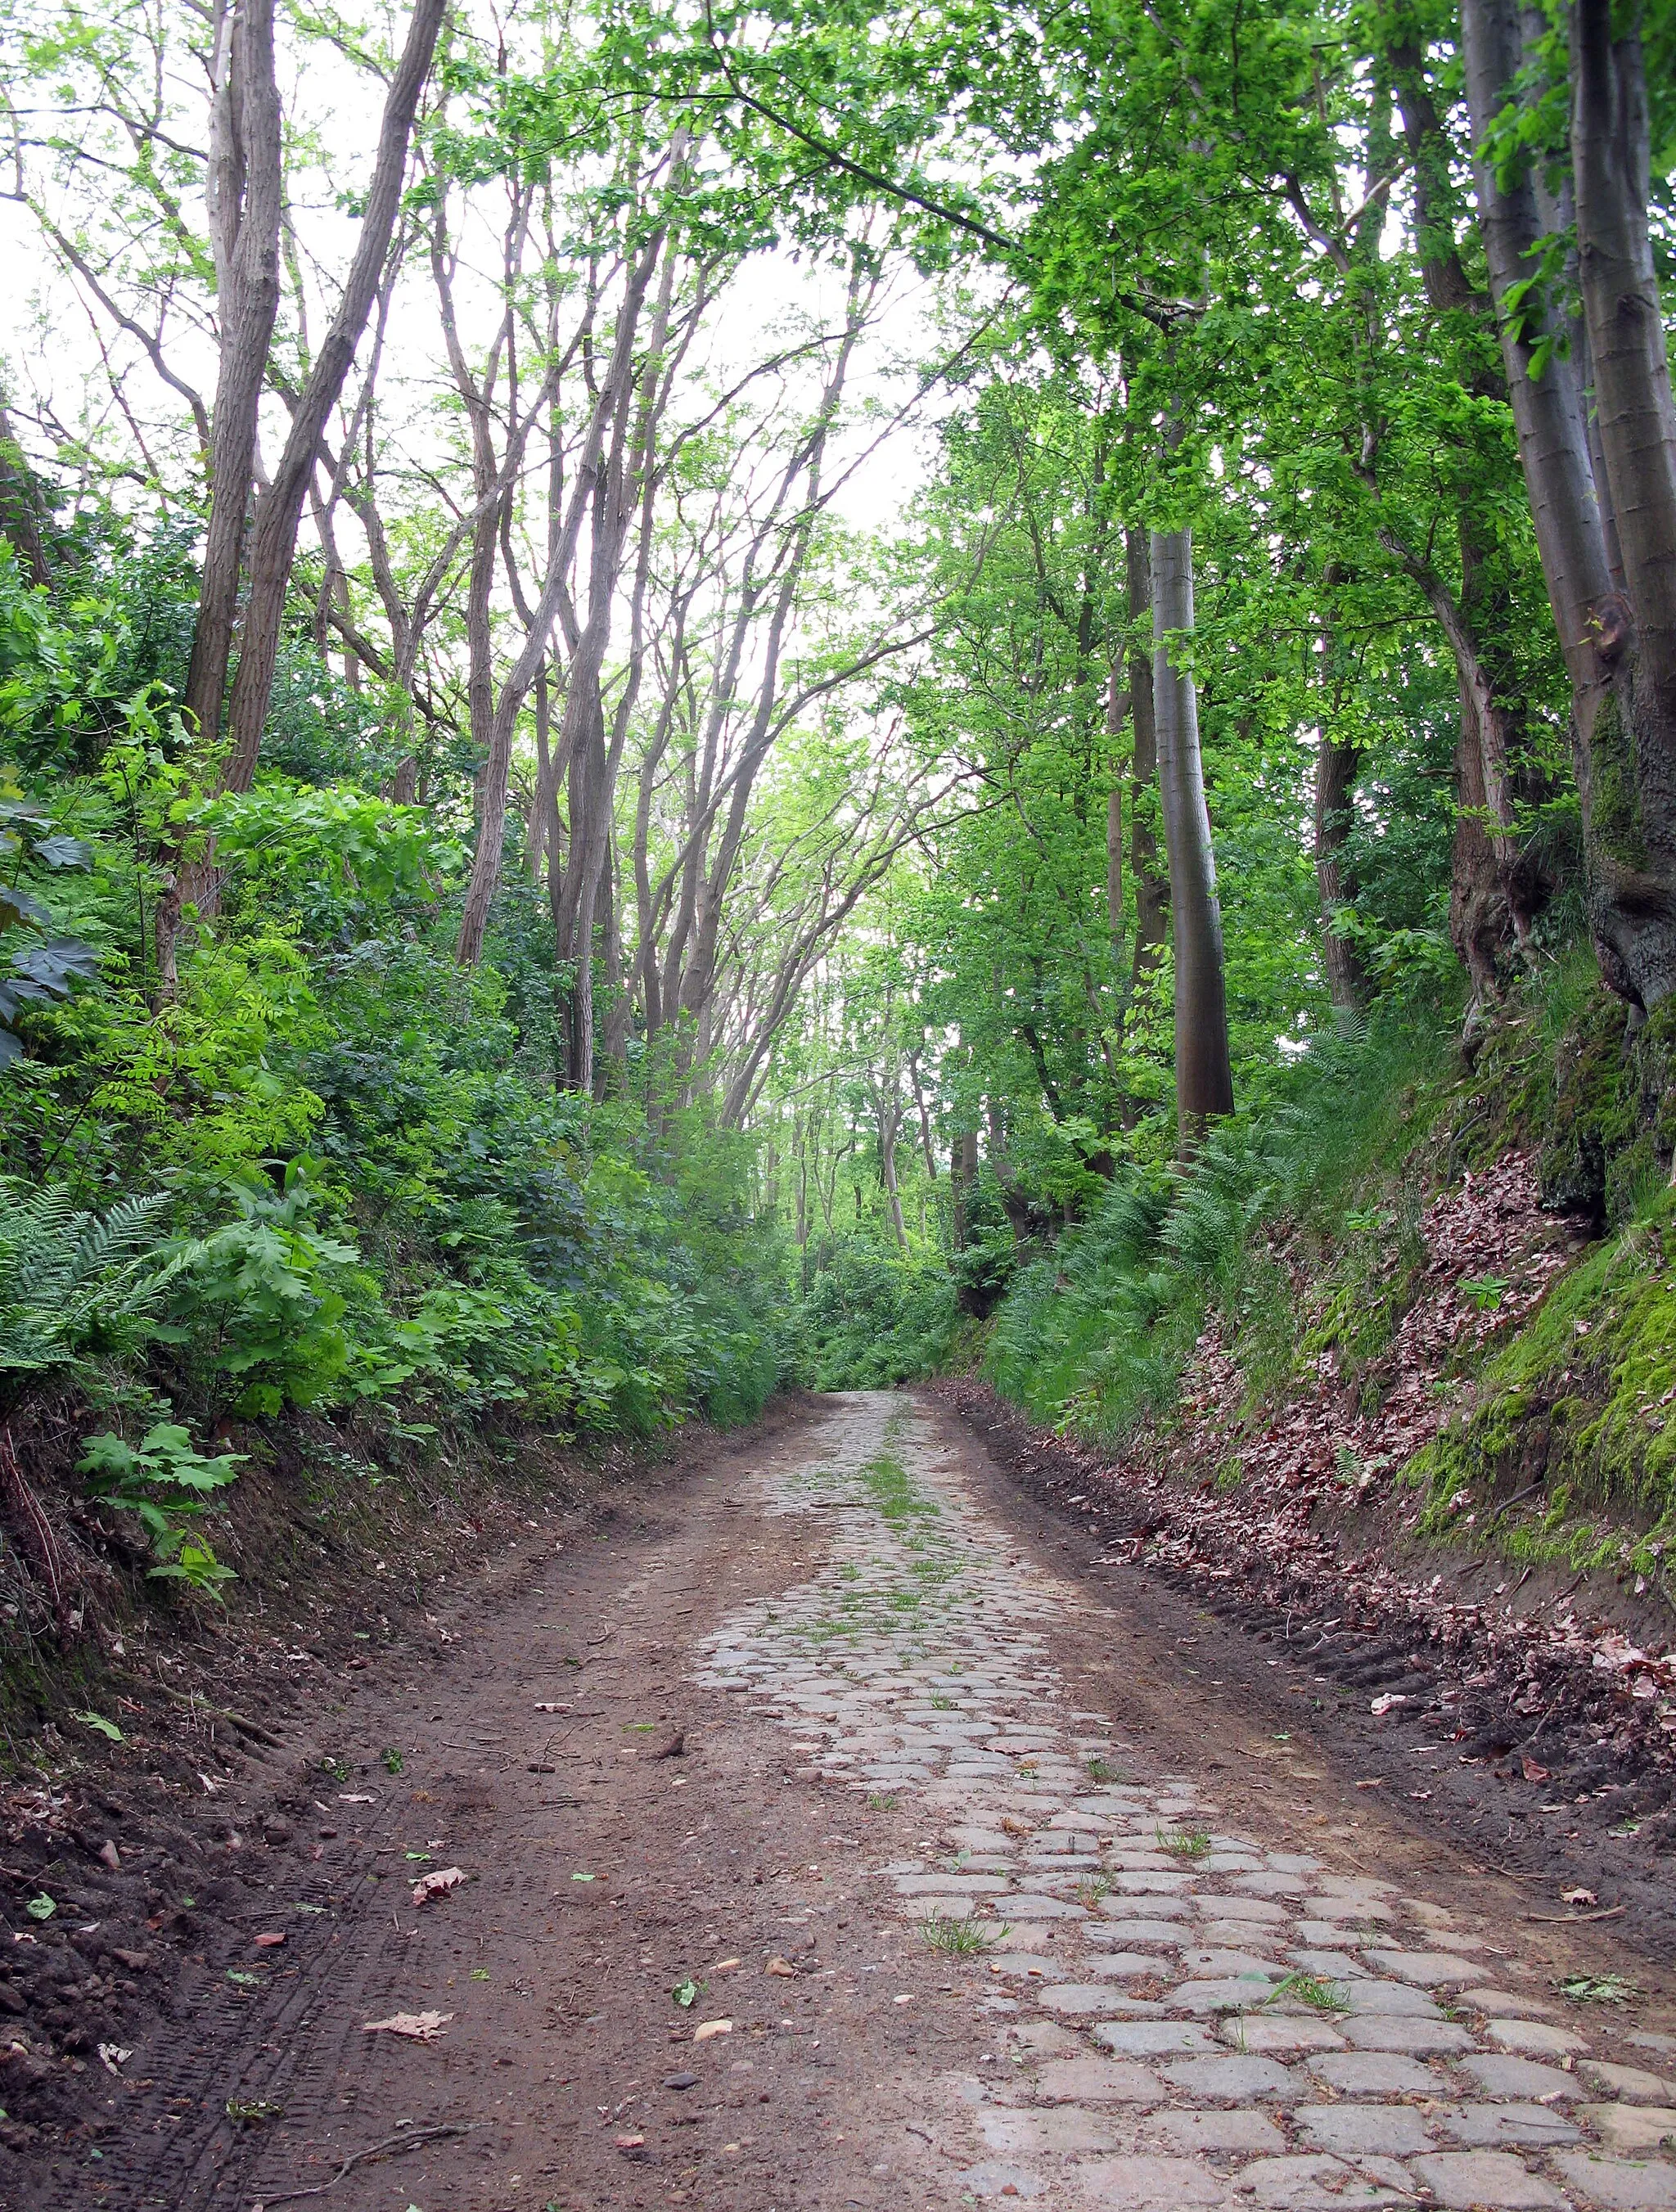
(918, 1660)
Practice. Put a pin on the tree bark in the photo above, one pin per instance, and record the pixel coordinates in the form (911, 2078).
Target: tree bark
(1336, 767)
(1151, 881)
(1204, 1076)
(279, 509)
(245, 191)
(1619, 644)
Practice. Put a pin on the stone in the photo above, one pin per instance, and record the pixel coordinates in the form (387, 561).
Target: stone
(948, 1885)
(1272, 2031)
(1530, 2126)
(1632, 2130)
(1030, 1907)
(1245, 2132)
(1377, 2074)
(1520, 2077)
(1047, 2036)
(1494, 2179)
(1047, 2134)
(1313, 2184)
(1331, 1932)
(1330, 1966)
(1353, 1907)
(993, 2178)
(1220, 1964)
(1143, 2184)
(1098, 2082)
(1230, 2081)
(1396, 2000)
(1430, 1969)
(1507, 2004)
(1153, 2038)
(1234, 1993)
(1242, 1908)
(1120, 1966)
(1535, 2038)
(1365, 2130)
(1077, 1998)
(1618, 2184)
(1151, 1885)
(1272, 1884)
(1633, 2084)
(1381, 2031)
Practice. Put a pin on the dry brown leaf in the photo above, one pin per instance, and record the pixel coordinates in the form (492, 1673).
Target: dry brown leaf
(416, 2026)
(707, 2028)
(438, 1884)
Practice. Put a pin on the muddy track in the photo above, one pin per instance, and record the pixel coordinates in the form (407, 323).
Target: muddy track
(721, 1759)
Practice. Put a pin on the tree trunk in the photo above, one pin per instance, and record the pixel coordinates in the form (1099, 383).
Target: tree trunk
(245, 191)
(1336, 770)
(962, 1174)
(1632, 739)
(889, 1121)
(1619, 645)
(275, 538)
(1204, 1078)
(1152, 884)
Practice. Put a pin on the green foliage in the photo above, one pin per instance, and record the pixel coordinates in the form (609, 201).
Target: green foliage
(1094, 1337)
(165, 1482)
(870, 1320)
(77, 1287)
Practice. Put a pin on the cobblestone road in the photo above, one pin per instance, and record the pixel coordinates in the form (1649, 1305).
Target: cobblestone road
(1167, 2013)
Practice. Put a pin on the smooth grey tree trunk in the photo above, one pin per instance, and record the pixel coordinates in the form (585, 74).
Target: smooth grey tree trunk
(1204, 1078)
(244, 192)
(1618, 631)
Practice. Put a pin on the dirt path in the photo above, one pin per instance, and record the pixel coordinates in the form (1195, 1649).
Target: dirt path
(713, 1772)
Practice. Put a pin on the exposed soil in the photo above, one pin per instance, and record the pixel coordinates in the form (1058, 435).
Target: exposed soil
(627, 1828)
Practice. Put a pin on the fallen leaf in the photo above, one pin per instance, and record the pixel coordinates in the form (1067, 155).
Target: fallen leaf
(111, 1856)
(1386, 1704)
(42, 1907)
(437, 1884)
(355, 1798)
(1377, 1783)
(417, 2026)
(707, 2028)
(684, 1992)
(271, 1941)
(584, 1877)
(778, 1965)
(98, 1721)
(1531, 1769)
(1578, 1897)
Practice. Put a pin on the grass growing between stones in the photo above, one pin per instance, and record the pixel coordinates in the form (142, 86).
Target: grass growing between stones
(964, 1938)
(1322, 1997)
(1189, 1844)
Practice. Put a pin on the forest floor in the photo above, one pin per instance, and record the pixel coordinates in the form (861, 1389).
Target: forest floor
(710, 1765)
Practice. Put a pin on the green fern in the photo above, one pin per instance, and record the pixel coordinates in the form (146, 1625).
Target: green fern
(77, 1285)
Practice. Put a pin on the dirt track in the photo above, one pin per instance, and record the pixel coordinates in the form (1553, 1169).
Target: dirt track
(737, 1743)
